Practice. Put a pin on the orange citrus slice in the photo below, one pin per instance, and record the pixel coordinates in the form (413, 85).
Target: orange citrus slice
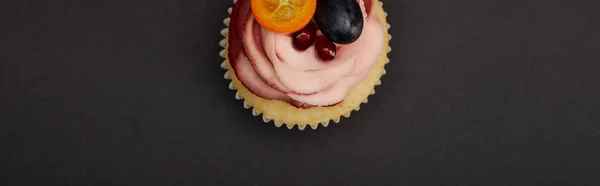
(283, 16)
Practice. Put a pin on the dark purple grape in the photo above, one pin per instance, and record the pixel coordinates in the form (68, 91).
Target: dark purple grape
(341, 21)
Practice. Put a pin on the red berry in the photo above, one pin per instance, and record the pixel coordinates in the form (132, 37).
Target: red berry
(305, 37)
(325, 49)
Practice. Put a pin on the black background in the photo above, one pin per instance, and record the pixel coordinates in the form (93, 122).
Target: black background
(130, 92)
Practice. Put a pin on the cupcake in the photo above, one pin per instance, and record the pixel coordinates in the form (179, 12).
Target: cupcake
(305, 62)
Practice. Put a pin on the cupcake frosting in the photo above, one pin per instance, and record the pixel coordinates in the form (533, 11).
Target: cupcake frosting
(269, 66)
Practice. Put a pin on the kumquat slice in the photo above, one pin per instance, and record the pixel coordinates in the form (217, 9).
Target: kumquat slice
(283, 16)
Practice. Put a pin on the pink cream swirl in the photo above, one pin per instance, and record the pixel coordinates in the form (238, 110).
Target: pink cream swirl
(270, 67)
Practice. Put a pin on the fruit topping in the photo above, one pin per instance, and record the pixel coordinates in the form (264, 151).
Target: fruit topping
(305, 37)
(341, 21)
(325, 49)
(283, 16)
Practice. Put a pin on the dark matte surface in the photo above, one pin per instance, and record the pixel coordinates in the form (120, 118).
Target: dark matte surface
(129, 92)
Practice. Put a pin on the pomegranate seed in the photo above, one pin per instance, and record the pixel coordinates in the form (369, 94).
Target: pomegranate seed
(304, 38)
(325, 49)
